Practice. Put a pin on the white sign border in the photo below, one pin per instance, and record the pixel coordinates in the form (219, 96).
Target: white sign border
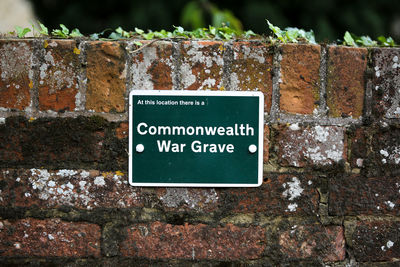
(260, 149)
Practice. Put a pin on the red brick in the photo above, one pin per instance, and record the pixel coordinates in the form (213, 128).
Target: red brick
(299, 87)
(358, 195)
(307, 146)
(384, 83)
(75, 188)
(359, 147)
(122, 131)
(385, 152)
(185, 199)
(202, 65)
(345, 81)
(49, 238)
(59, 143)
(199, 242)
(6, 192)
(312, 241)
(16, 73)
(152, 66)
(278, 195)
(376, 241)
(252, 69)
(106, 74)
(11, 142)
(59, 73)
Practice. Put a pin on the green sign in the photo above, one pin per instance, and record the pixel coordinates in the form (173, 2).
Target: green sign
(196, 138)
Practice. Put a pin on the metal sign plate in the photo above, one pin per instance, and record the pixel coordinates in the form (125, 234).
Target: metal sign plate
(196, 138)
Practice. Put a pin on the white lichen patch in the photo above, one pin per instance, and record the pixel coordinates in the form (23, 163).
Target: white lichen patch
(320, 145)
(390, 155)
(99, 181)
(390, 204)
(292, 189)
(16, 59)
(388, 245)
(377, 71)
(80, 189)
(294, 127)
(57, 75)
(292, 207)
(66, 173)
(139, 68)
(195, 56)
(194, 199)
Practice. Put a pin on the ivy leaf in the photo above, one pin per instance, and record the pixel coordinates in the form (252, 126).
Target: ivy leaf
(123, 33)
(115, 36)
(249, 34)
(64, 29)
(76, 33)
(383, 41)
(348, 39)
(43, 29)
(21, 32)
(139, 31)
(94, 36)
(148, 36)
(212, 30)
(277, 31)
(366, 41)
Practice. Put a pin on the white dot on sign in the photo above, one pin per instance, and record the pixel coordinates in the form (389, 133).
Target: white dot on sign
(252, 148)
(139, 148)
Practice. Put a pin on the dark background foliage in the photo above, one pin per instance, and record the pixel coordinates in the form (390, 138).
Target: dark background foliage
(328, 18)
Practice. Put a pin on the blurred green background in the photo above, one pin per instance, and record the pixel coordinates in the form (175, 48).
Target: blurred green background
(328, 18)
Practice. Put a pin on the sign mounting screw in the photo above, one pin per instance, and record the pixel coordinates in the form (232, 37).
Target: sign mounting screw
(252, 149)
(139, 148)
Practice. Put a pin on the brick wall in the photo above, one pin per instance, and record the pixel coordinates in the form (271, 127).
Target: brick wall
(331, 191)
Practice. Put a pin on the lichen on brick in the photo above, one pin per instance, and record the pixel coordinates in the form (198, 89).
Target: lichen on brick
(318, 145)
(16, 74)
(152, 66)
(196, 199)
(202, 65)
(77, 188)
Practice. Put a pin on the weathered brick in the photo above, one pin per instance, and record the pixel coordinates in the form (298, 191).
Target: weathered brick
(185, 199)
(201, 65)
(106, 74)
(49, 238)
(357, 195)
(317, 145)
(152, 66)
(385, 154)
(74, 188)
(122, 131)
(384, 83)
(6, 186)
(16, 73)
(359, 147)
(311, 241)
(376, 241)
(83, 142)
(251, 69)
(59, 73)
(278, 195)
(345, 81)
(299, 84)
(165, 241)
